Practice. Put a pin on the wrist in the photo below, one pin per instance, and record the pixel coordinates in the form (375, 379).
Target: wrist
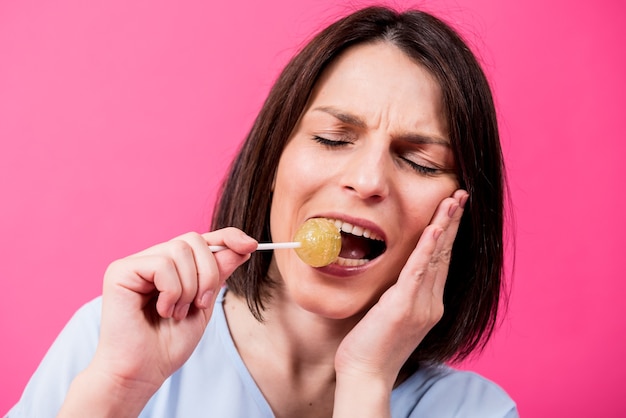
(362, 396)
(99, 395)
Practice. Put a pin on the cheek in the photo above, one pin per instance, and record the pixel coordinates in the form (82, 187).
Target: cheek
(294, 183)
(422, 202)
(280, 208)
(297, 166)
(303, 170)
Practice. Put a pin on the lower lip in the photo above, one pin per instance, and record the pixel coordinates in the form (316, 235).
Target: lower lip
(345, 271)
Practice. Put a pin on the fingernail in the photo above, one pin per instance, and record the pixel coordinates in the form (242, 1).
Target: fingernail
(248, 238)
(205, 299)
(437, 233)
(453, 209)
(181, 311)
(463, 201)
(170, 312)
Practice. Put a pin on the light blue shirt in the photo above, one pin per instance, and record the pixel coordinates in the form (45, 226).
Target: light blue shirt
(214, 382)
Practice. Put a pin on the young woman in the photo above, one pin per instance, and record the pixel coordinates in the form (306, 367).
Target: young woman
(383, 123)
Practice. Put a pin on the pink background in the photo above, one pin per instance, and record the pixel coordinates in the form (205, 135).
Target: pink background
(118, 119)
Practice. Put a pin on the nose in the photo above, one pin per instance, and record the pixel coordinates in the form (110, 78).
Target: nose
(366, 173)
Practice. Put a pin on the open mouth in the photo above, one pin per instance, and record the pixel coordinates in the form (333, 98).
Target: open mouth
(358, 245)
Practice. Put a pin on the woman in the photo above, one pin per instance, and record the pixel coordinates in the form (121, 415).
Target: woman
(383, 123)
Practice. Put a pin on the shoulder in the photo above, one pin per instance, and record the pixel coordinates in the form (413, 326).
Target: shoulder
(439, 390)
(88, 314)
(70, 353)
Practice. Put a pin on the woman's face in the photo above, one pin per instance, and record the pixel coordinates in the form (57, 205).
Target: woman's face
(370, 151)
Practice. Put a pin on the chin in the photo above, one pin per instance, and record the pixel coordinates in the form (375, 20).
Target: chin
(330, 302)
(329, 295)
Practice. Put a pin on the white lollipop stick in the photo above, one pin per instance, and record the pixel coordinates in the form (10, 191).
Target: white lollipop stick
(262, 246)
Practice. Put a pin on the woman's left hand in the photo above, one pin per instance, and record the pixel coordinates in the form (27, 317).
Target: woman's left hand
(371, 355)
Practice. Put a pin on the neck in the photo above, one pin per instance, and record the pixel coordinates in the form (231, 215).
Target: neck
(299, 339)
(290, 355)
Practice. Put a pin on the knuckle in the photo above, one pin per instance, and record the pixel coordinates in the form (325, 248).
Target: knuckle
(113, 271)
(208, 278)
(188, 235)
(192, 238)
(115, 266)
(428, 316)
(180, 247)
(445, 255)
(163, 263)
(437, 311)
(418, 274)
(442, 257)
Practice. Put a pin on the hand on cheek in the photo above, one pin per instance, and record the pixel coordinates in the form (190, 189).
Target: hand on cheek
(382, 341)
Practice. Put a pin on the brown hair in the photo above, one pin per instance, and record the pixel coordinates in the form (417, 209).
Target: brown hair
(474, 281)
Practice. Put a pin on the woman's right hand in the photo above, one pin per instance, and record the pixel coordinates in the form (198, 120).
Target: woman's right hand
(156, 305)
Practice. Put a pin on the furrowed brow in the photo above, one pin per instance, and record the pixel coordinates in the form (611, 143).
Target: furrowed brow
(424, 139)
(354, 120)
(342, 116)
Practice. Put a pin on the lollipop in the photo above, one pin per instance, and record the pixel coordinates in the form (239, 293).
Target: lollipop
(321, 242)
(317, 242)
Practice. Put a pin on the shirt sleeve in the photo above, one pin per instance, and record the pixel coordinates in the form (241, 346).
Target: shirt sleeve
(70, 353)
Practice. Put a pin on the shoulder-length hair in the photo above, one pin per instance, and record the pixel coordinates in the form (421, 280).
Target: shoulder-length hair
(473, 286)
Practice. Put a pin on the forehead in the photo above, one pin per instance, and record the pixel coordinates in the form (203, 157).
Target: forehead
(378, 78)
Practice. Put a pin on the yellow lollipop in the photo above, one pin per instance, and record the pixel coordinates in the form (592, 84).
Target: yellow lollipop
(317, 242)
(320, 242)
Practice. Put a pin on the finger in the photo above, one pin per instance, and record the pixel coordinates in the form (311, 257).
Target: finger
(234, 239)
(455, 212)
(200, 273)
(446, 210)
(239, 247)
(416, 274)
(207, 273)
(156, 272)
(442, 256)
(432, 250)
(170, 267)
(185, 271)
(184, 260)
(448, 216)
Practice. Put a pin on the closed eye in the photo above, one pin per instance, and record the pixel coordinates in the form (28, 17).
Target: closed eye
(419, 168)
(422, 169)
(331, 143)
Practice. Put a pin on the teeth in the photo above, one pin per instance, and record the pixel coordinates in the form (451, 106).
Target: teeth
(347, 228)
(350, 262)
(359, 231)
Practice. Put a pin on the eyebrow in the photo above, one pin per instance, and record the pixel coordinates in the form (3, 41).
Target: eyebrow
(343, 117)
(354, 120)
